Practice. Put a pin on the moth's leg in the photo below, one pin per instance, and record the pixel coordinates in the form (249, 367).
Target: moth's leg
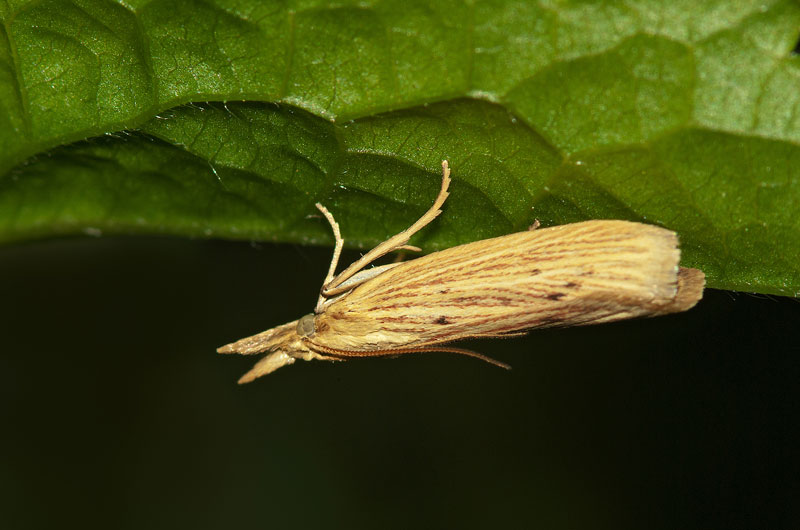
(349, 354)
(356, 280)
(411, 248)
(501, 335)
(505, 335)
(337, 251)
(534, 226)
(400, 240)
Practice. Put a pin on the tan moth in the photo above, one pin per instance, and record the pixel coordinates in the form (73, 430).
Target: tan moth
(568, 275)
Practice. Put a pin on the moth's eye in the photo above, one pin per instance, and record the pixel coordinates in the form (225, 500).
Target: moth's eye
(305, 326)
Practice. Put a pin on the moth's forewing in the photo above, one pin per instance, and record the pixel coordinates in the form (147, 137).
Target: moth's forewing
(582, 273)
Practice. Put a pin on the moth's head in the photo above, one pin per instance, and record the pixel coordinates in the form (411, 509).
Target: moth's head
(306, 326)
(283, 344)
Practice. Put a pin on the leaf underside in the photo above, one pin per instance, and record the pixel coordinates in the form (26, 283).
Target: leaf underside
(231, 119)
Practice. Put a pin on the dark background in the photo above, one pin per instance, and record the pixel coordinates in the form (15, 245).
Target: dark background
(117, 413)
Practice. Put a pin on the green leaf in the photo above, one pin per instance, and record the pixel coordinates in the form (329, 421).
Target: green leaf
(682, 114)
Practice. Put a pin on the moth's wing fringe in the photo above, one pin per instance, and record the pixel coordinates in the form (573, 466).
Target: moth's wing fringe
(261, 342)
(691, 283)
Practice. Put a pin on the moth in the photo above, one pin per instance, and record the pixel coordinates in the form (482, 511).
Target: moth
(569, 275)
